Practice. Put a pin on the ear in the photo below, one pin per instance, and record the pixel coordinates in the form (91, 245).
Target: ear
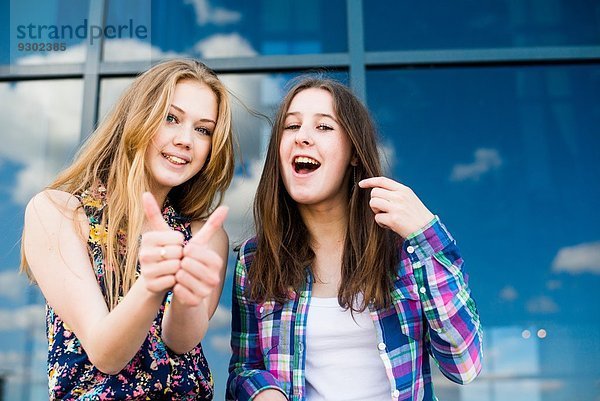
(354, 160)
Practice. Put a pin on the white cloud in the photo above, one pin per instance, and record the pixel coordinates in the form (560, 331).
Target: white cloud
(221, 342)
(12, 364)
(509, 293)
(582, 258)
(542, 305)
(207, 14)
(221, 318)
(13, 285)
(39, 130)
(387, 155)
(225, 45)
(239, 198)
(73, 54)
(25, 317)
(485, 160)
(134, 50)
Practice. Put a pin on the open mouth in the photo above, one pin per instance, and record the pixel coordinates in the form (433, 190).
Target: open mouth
(305, 165)
(175, 160)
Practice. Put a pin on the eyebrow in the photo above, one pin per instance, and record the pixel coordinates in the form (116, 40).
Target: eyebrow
(294, 113)
(204, 120)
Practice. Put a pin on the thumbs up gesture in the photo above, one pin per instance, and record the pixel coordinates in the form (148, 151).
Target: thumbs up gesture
(201, 265)
(193, 270)
(161, 249)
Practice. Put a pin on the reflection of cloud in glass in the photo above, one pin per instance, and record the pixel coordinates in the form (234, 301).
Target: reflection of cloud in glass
(25, 317)
(387, 155)
(485, 161)
(207, 14)
(12, 285)
(239, 198)
(132, 49)
(509, 293)
(221, 317)
(221, 343)
(542, 305)
(224, 45)
(73, 54)
(582, 258)
(507, 353)
(41, 122)
(114, 50)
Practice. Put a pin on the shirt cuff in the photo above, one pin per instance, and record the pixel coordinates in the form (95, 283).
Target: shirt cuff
(255, 384)
(429, 240)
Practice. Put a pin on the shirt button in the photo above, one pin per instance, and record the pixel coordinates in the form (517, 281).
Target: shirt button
(300, 347)
(396, 393)
(261, 310)
(422, 290)
(410, 249)
(381, 346)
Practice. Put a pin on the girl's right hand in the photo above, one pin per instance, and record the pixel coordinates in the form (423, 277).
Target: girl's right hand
(161, 250)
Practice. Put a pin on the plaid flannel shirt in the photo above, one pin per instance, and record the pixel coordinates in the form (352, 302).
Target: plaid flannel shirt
(432, 313)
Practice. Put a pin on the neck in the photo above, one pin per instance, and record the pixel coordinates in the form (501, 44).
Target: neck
(327, 225)
(160, 194)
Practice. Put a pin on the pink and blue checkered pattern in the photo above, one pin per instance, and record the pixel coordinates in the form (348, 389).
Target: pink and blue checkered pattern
(432, 316)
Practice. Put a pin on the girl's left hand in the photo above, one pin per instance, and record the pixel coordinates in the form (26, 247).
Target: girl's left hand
(396, 206)
(200, 272)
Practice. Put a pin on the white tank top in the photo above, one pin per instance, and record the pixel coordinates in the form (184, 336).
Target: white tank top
(342, 359)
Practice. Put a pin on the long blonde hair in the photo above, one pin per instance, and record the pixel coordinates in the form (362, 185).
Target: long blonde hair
(114, 155)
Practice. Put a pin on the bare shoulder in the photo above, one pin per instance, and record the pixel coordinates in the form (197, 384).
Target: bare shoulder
(220, 234)
(219, 239)
(51, 207)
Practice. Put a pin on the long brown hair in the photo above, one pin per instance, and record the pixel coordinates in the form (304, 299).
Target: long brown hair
(283, 242)
(114, 155)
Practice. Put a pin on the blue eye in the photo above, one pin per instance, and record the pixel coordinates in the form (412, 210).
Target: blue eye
(204, 131)
(171, 119)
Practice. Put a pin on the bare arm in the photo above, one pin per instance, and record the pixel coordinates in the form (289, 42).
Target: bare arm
(59, 260)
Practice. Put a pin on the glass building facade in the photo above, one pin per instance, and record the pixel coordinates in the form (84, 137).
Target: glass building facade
(489, 111)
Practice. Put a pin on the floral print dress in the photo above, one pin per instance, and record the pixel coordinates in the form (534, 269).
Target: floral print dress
(154, 373)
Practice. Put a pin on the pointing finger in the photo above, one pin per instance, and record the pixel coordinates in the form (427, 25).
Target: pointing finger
(380, 182)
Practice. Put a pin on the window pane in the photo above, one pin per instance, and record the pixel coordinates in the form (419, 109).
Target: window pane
(110, 91)
(509, 158)
(47, 32)
(410, 25)
(41, 122)
(227, 28)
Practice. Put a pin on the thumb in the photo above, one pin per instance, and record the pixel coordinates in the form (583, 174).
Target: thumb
(153, 214)
(212, 225)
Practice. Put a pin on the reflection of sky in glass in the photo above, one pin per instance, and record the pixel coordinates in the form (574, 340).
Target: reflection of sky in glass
(480, 24)
(41, 121)
(223, 28)
(52, 21)
(506, 157)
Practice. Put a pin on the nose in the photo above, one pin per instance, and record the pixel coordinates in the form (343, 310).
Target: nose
(183, 137)
(303, 136)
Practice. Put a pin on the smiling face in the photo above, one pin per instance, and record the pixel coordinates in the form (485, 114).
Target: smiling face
(182, 144)
(315, 153)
